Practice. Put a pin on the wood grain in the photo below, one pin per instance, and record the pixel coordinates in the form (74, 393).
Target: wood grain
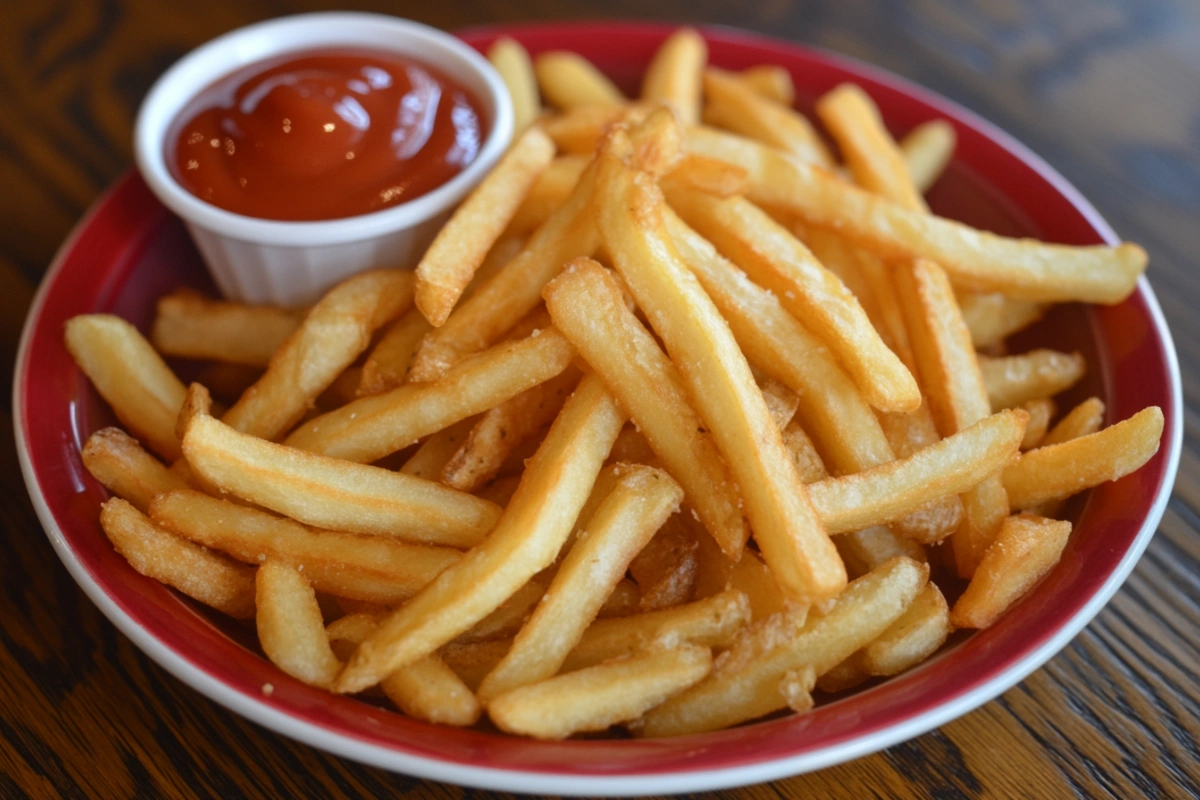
(1105, 90)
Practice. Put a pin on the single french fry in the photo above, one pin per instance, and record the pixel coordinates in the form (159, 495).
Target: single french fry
(916, 635)
(1040, 412)
(568, 80)
(190, 325)
(372, 427)
(874, 158)
(881, 494)
(528, 537)
(641, 501)
(141, 389)
(290, 628)
(460, 246)
(587, 306)
(116, 460)
(550, 191)
(772, 82)
(385, 570)
(746, 683)
(211, 578)
(387, 364)
(777, 261)
(993, 316)
(428, 689)
(331, 493)
(1013, 380)
(437, 449)
(867, 549)
(337, 329)
(927, 150)
(708, 175)
(1085, 418)
(1026, 548)
(976, 259)
(799, 552)
(674, 73)
(734, 105)
(596, 698)
(1061, 470)
(512, 61)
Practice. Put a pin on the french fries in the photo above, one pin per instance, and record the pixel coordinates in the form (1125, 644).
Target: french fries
(444, 489)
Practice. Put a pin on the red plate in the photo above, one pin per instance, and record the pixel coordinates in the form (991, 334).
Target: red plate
(129, 250)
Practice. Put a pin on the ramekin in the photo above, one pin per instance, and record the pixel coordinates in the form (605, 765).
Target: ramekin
(293, 263)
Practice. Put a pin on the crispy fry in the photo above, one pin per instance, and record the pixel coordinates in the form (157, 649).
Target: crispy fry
(868, 548)
(1013, 380)
(190, 325)
(993, 316)
(116, 460)
(927, 150)
(388, 362)
(734, 105)
(674, 74)
(550, 191)
(1040, 411)
(1085, 418)
(290, 628)
(512, 61)
(428, 689)
(460, 246)
(570, 81)
(912, 638)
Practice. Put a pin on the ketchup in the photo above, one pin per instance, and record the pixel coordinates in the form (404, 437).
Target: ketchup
(325, 135)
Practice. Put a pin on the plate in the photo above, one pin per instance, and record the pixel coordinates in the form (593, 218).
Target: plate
(129, 250)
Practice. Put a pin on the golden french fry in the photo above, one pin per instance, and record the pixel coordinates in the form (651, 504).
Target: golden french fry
(437, 449)
(637, 506)
(528, 537)
(372, 427)
(927, 150)
(772, 82)
(337, 329)
(460, 246)
(916, 635)
(508, 617)
(1061, 470)
(674, 73)
(331, 493)
(1085, 418)
(290, 628)
(993, 316)
(868, 548)
(708, 175)
(211, 578)
(752, 577)
(512, 61)
(1040, 412)
(570, 81)
(383, 570)
(190, 325)
(388, 362)
(116, 460)
(587, 306)
(596, 698)
(734, 105)
(1013, 380)
(550, 191)
(978, 260)
(577, 131)
(428, 689)
(777, 261)
(141, 389)
(1026, 548)
(799, 552)
(873, 156)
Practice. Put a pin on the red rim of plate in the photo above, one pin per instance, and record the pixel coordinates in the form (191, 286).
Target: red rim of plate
(92, 272)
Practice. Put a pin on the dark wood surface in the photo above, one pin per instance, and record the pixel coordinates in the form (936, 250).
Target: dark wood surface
(1108, 91)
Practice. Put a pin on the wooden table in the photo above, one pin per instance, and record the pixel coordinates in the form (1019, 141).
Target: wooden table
(1106, 91)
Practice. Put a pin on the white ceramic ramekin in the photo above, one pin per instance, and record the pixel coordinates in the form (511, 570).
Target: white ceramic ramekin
(292, 263)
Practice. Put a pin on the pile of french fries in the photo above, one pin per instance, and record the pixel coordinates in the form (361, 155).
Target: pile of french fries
(669, 429)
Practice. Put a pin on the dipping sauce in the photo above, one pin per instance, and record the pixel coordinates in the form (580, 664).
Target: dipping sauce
(325, 135)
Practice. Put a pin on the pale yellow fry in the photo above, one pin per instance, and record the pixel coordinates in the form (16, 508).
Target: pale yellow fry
(190, 325)
(515, 290)
(512, 61)
(976, 259)
(873, 156)
(290, 628)
(993, 316)
(868, 548)
(586, 304)
(881, 494)
(527, 539)
(1013, 380)
(746, 683)
(460, 246)
(1061, 470)
(437, 449)
(927, 151)
(116, 460)
(799, 552)
(550, 191)
(734, 105)
(337, 329)
(134, 380)
(639, 504)
(1026, 548)
(428, 689)
(776, 260)
(772, 82)
(372, 427)
(385, 570)
(387, 364)
(674, 73)
(211, 578)
(569, 80)
(331, 493)
(1085, 418)
(916, 635)
(1040, 411)
(599, 697)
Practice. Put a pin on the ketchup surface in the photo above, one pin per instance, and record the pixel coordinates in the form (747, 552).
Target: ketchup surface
(325, 136)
